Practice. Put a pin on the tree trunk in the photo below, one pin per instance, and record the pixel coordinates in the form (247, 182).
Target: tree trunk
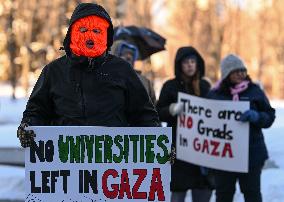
(11, 47)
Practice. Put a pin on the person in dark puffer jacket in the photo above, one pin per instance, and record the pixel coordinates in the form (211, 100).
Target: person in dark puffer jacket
(236, 85)
(88, 86)
(189, 78)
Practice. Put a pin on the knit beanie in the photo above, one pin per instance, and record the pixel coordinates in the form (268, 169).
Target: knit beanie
(231, 63)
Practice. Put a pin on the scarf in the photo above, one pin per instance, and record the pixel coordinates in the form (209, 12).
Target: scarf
(238, 89)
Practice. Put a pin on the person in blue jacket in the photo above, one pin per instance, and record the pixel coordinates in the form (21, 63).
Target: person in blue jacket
(236, 85)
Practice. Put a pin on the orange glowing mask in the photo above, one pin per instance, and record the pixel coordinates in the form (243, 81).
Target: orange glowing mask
(89, 36)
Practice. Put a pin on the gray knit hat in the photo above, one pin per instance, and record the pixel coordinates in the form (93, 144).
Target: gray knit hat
(230, 63)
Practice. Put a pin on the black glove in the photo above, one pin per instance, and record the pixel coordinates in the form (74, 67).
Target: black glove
(26, 137)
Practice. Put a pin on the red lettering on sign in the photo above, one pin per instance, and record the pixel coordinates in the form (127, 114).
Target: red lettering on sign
(205, 147)
(189, 122)
(215, 145)
(124, 185)
(142, 173)
(182, 120)
(110, 194)
(156, 186)
(227, 149)
(215, 148)
(119, 190)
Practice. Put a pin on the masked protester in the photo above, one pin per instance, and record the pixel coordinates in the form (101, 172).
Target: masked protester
(87, 86)
(236, 85)
(189, 73)
(130, 53)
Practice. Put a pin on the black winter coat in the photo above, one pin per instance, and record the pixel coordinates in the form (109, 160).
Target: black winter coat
(103, 91)
(258, 102)
(184, 175)
(108, 95)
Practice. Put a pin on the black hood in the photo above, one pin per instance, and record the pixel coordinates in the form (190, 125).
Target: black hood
(83, 10)
(184, 52)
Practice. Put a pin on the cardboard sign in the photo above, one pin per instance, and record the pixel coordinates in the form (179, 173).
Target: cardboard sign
(210, 134)
(98, 164)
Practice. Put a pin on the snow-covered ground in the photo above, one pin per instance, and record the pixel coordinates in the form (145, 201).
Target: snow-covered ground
(12, 178)
(12, 183)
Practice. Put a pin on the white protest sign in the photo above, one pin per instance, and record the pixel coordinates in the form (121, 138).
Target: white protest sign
(209, 133)
(98, 164)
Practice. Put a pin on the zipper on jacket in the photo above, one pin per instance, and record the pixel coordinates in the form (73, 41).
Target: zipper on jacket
(80, 90)
(90, 65)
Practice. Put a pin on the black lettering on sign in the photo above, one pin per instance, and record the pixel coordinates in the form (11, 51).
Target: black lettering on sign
(87, 180)
(44, 151)
(48, 181)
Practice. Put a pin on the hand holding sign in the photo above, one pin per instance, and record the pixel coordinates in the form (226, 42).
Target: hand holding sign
(172, 155)
(175, 108)
(25, 136)
(250, 115)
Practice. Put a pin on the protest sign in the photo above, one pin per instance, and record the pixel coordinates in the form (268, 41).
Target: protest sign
(98, 164)
(210, 134)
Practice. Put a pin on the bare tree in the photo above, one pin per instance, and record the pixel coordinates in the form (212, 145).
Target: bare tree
(12, 47)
